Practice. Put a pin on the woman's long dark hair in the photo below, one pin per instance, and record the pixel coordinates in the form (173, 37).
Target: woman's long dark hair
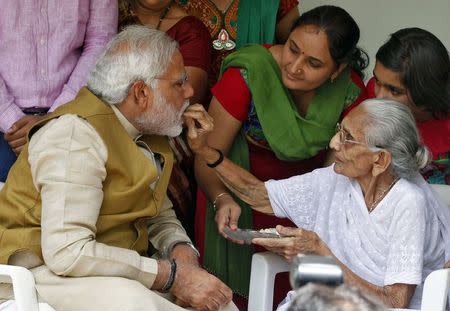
(342, 33)
(424, 66)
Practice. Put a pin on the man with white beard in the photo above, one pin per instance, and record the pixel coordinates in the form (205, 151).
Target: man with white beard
(88, 192)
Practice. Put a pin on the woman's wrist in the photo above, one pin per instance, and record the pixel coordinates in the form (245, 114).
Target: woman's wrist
(218, 198)
(212, 156)
(216, 162)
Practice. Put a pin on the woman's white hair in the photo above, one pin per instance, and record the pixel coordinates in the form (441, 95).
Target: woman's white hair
(391, 126)
(136, 53)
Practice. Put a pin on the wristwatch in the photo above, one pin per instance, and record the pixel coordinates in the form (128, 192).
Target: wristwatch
(196, 252)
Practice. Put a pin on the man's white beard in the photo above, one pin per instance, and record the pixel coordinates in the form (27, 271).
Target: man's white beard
(162, 119)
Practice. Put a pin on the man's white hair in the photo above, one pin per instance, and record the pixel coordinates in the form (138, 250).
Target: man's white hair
(136, 53)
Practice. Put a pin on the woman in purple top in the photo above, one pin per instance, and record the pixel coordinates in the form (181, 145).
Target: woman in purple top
(48, 49)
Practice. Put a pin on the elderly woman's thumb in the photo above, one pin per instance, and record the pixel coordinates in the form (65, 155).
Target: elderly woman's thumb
(287, 231)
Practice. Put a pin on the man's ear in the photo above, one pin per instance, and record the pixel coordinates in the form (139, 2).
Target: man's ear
(338, 71)
(142, 94)
(381, 162)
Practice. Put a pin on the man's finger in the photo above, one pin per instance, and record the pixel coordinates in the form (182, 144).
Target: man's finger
(18, 124)
(9, 137)
(18, 143)
(18, 150)
(226, 292)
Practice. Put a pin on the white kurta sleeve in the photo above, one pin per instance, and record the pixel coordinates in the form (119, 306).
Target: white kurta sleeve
(407, 237)
(67, 159)
(297, 197)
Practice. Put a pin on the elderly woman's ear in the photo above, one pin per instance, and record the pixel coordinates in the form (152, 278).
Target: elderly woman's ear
(381, 162)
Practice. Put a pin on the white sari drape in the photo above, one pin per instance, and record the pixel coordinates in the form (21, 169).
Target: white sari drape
(404, 238)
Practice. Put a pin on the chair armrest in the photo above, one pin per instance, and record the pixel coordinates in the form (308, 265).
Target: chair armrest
(265, 266)
(23, 286)
(435, 290)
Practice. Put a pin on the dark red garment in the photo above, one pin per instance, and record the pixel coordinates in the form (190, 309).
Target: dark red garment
(194, 41)
(435, 133)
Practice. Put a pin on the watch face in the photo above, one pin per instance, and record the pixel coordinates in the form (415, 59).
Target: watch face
(247, 235)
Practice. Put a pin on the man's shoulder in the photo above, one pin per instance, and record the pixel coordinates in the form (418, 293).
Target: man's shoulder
(63, 128)
(85, 104)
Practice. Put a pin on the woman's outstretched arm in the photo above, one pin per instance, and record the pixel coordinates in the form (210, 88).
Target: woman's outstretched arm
(242, 183)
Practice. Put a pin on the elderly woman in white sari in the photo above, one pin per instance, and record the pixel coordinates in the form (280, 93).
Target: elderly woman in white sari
(371, 210)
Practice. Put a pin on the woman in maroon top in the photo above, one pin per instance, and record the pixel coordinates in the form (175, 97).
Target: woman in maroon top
(190, 33)
(195, 47)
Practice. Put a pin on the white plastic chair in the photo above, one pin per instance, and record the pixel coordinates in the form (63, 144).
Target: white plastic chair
(266, 265)
(24, 289)
(443, 191)
(435, 290)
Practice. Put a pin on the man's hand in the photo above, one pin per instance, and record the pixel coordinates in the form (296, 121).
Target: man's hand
(16, 135)
(199, 124)
(183, 253)
(295, 241)
(197, 288)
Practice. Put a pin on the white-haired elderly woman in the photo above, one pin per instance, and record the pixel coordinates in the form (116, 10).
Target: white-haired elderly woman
(371, 210)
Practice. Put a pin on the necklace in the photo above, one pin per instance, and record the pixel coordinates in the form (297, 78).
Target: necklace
(382, 195)
(163, 15)
(223, 41)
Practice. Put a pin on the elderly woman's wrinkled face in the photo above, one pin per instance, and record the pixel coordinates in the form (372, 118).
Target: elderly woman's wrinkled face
(353, 158)
(306, 62)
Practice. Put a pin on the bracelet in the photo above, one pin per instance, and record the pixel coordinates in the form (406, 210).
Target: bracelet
(219, 160)
(218, 197)
(171, 279)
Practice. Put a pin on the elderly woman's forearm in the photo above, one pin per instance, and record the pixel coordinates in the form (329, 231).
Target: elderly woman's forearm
(239, 181)
(394, 296)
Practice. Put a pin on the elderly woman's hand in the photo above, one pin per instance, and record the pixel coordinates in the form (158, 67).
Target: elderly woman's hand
(199, 124)
(294, 241)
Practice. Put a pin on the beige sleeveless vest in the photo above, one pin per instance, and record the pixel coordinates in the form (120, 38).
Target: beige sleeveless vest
(128, 199)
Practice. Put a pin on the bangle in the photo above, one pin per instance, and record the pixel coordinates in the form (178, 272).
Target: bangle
(218, 197)
(171, 279)
(219, 160)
